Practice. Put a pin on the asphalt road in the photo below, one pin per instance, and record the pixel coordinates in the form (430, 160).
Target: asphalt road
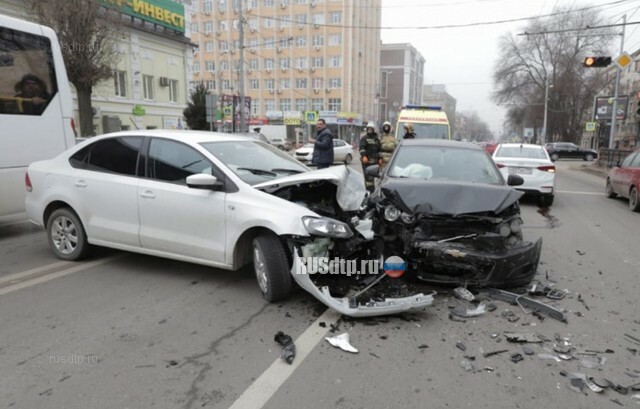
(130, 331)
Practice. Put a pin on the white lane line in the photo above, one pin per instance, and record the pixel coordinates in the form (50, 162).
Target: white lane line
(57, 274)
(267, 384)
(574, 192)
(34, 271)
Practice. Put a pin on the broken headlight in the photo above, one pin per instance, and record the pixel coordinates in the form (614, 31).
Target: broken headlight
(516, 226)
(391, 213)
(326, 227)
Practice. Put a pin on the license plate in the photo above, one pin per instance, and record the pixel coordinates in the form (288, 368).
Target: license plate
(520, 171)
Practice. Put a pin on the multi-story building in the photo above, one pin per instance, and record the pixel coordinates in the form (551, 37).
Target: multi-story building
(437, 95)
(149, 84)
(299, 56)
(402, 78)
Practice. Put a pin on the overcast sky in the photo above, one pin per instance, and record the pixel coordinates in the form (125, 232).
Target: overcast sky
(463, 58)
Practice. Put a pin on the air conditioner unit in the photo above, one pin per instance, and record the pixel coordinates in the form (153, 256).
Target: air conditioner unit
(328, 90)
(299, 69)
(268, 71)
(253, 29)
(283, 69)
(317, 48)
(253, 51)
(312, 4)
(300, 26)
(97, 112)
(313, 69)
(278, 49)
(164, 81)
(283, 5)
(279, 91)
(233, 51)
(281, 29)
(270, 91)
(317, 91)
(207, 33)
(218, 33)
(316, 26)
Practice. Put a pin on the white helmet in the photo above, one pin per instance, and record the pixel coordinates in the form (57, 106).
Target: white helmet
(371, 125)
(386, 123)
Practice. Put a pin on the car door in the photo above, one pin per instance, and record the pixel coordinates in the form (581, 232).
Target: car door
(631, 175)
(339, 151)
(621, 177)
(106, 185)
(174, 218)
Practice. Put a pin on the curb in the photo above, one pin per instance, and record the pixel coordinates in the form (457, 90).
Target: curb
(593, 170)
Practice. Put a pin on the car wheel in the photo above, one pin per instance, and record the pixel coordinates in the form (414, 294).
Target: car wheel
(588, 157)
(545, 201)
(271, 267)
(609, 190)
(348, 159)
(281, 147)
(634, 200)
(555, 157)
(66, 235)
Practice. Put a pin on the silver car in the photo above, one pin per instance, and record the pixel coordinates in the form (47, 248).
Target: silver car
(342, 152)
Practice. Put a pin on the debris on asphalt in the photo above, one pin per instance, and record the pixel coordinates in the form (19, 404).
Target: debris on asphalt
(525, 302)
(632, 338)
(593, 385)
(467, 365)
(590, 364)
(461, 346)
(583, 302)
(517, 357)
(463, 294)
(522, 337)
(509, 315)
(423, 346)
(549, 356)
(465, 313)
(616, 401)
(453, 317)
(288, 347)
(556, 294)
(527, 350)
(492, 353)
(342, 341)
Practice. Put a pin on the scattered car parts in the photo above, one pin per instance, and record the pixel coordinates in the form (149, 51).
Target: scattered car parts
(342, 341)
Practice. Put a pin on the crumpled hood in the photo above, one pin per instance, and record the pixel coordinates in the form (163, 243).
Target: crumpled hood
(448, 198)
(351, 187)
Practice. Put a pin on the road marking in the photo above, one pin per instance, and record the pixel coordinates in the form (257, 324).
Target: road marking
(267, 384)
(580, 193)
(42, 279)
(18, 276)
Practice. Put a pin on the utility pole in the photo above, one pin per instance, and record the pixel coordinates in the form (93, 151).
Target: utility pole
(243, 119)
(546, 104)
(614, 113)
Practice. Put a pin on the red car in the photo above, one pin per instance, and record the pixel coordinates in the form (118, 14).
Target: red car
(490, 147)
(624, 180)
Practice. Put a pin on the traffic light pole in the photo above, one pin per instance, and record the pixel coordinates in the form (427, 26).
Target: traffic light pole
(546, 102)
(614, 113)
(243, 119)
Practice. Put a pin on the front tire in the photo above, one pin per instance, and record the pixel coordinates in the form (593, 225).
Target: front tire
(555, 157)
(66, 235)
(634, 200)
(609, 190)
(348, 159)
(271, 267)
(545, 201)
(588, 157)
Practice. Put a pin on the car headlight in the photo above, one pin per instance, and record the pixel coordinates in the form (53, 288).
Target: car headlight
(407, 218)
(505, 230)
(516, 226)
(326, 227)
(391, 213)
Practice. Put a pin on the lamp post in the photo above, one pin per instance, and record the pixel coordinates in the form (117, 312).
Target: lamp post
(543, 140)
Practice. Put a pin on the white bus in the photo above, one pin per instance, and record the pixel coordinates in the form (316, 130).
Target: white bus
(36, 109)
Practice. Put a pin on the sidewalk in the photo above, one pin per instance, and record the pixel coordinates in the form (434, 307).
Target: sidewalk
(592, 168)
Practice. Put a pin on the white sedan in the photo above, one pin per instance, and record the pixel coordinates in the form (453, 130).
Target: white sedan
(532, 162)
(342, 152)
(214, 199)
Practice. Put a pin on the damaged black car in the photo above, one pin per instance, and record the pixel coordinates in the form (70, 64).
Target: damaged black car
(444, 208)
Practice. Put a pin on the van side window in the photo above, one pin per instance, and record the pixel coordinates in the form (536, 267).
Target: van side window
(27, 74)
(114, 155)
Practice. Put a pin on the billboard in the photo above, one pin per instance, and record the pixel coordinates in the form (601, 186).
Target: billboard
(604, 108)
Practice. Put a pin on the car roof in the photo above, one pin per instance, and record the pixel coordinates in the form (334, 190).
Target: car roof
(518, 145)
(181, 135)
(440, 143)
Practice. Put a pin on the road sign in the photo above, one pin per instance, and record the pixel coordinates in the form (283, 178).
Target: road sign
(310, 116)
(624, 60)
(591, 126)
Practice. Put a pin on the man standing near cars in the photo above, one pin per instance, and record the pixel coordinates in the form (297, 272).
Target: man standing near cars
(369, 153)
(322, 146)
(388, 144)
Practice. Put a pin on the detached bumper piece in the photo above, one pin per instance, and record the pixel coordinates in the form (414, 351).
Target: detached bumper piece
(457, 263)
(350, 306)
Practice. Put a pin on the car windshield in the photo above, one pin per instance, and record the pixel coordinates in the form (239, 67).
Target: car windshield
(529, 152)
(438, 163)
(426, 131)
(254, 161)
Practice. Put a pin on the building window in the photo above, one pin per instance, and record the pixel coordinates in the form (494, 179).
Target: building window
(269, 105)
(335, 82)
(285, 104)
(317, 40)
(335, 61)
(318, 18)
(301, 41)
(222, 6)
(173, 90)
(223, 46)
(208, 7)
(211, 84)
(255, 106)
(335, 39)
(120, 83)
(317, 104)
(254, 64)
(224, 65)
(253, 24)
(269, 3)
(301, 18)
(383, 110)
(301, 104)
(301, 62)
(335, 17)
(384, 82)
(222, 25)
(208, 27)
(196, 67)
(317, 83)
(285, 83)
(226, 85)
(254, 84)
(301, 83)
(335, 104)
(269, 42)
(301, 1)
(269, 22)
(268, 63)
(269, 83)
(210, 65)
(208, 46)
(147, 82)
(284, 21)
(317, 62)
(285, 63)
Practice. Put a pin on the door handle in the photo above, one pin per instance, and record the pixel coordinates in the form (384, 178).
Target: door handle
(80, 183)
(147, 194)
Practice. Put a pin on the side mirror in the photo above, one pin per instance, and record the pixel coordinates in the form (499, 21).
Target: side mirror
(515, 180)
(373, 171)
(203, 181)
(618, 164)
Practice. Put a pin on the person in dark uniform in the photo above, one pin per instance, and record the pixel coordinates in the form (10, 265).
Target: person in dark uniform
(369, 153)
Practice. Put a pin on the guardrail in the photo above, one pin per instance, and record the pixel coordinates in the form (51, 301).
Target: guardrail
(611, 157)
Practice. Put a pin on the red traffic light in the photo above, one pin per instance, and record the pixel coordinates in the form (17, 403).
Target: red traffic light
(592, 62)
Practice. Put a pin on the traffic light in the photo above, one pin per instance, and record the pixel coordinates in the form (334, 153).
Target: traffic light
(593, 62)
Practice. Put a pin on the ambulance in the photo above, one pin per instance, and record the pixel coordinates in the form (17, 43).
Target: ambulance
(429, 122)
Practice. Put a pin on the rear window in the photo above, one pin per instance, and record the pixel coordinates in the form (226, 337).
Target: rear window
(113, 155)
(521, 152)
(426, 131)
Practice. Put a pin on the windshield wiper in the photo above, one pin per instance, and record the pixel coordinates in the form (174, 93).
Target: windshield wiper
(292, 171)
(259, 171)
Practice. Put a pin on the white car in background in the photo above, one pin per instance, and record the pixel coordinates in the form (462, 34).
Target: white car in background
(342, 152)
(532, 162)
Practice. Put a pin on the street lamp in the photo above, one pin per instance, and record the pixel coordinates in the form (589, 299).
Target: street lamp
(546, 106)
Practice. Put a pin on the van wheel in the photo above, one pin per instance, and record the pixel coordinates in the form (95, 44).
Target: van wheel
(66, 235)
(271, 267)
(348, 159)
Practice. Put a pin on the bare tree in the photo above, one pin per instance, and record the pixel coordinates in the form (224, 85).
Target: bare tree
(527, 62)
(473, 128)
(87, 33)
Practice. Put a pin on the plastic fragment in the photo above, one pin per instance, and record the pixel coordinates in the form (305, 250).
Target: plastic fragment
(463, 294)
(461, 346)
(288, 347)
(527, 350)
(342, 341)
(522, 337)
(593, 386)
(465, 313)
(467, 365)
(515, 358)
(548, 356)
(492, 353)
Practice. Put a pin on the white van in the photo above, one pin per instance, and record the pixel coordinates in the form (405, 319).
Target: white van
(36, 109)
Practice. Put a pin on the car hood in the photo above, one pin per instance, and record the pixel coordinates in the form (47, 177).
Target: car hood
(448, 198)
(351, 187)
(304, 150)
